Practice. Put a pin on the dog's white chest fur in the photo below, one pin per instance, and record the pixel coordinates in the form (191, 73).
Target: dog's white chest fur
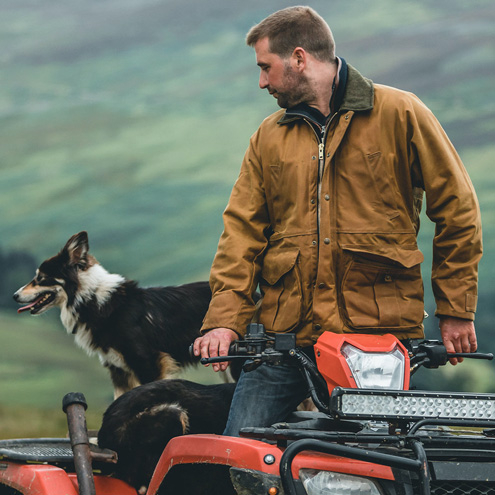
(95, 283)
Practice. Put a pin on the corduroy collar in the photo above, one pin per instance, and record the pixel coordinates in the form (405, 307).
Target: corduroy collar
(354, 93)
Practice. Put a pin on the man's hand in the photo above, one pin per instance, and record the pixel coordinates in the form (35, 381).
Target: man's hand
(214, 343)
(458, 335)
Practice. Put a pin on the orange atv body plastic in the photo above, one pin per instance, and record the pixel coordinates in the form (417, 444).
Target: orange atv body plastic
(45, 479)
(246, 453)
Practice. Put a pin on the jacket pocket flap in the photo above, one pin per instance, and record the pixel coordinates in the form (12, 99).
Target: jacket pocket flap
(406, 257)
(278, 263)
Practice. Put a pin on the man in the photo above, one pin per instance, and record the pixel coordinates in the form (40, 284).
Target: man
(325, 213)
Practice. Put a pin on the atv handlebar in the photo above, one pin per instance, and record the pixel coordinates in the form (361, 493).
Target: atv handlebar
(259, 347)
(432, 354)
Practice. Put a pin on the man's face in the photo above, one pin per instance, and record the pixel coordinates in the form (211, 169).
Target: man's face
(277, 75)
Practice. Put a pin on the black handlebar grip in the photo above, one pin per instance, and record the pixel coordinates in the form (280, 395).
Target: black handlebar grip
(233, 349)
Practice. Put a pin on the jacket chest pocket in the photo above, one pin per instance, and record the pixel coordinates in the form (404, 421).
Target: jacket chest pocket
(385, 195)
(281, 289)
(367, 190)
(381, 295)
(289, 189)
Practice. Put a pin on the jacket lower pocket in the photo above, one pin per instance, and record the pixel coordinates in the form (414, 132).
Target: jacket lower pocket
(281, 289)
(379, 296)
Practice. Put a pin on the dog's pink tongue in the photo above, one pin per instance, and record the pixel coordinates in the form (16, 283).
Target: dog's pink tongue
(25, 308)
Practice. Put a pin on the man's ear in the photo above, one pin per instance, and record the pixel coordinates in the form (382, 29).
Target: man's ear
(299, 58)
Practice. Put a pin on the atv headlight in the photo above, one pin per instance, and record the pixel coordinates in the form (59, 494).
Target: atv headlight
(376, 370)
(326, 483)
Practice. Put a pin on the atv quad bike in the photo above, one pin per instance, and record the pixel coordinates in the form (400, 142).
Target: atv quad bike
(371, 435)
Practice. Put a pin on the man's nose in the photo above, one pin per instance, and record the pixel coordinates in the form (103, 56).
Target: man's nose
(263, 81)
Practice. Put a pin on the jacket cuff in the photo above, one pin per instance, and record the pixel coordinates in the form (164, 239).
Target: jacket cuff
(465, 311)
(221, 314)
(462, 316)
(455, 297)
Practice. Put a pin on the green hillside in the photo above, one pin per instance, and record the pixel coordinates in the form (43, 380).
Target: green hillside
(39, 365)
(129, 119)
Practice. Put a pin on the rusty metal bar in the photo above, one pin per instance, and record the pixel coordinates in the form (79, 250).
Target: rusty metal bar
(74, 405)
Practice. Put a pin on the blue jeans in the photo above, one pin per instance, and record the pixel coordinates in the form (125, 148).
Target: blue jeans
(265, 396)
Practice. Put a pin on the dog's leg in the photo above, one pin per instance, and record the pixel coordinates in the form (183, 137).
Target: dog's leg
(168, 366)
(122, 380)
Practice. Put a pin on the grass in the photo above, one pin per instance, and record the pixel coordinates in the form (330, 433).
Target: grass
(39, 364)
(35, 422)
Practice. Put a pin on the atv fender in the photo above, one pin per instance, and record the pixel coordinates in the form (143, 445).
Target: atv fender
(253, 455)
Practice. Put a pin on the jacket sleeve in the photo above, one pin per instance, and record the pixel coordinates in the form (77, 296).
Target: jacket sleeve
(451, 203)
(237, 263)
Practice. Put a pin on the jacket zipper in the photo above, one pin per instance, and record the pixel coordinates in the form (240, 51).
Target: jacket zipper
(321, 167)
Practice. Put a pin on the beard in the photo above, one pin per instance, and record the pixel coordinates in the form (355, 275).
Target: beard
(296, 89)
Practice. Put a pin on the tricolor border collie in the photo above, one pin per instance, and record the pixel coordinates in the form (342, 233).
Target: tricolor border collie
(140, 334)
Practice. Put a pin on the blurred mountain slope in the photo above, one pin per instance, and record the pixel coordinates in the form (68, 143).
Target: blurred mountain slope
(129, 119)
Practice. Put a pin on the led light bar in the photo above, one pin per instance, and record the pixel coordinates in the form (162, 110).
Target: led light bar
(410, 405)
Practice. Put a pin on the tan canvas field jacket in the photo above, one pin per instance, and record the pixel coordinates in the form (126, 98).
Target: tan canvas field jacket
(328, 229)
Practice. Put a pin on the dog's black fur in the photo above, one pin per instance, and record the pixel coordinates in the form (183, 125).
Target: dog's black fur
(139, 424)
(140, 334)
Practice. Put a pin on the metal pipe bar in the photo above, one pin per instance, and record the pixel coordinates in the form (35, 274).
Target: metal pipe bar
(344, 451)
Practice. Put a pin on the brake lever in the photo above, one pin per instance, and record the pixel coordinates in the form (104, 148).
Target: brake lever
(221, 359)
(471, 355)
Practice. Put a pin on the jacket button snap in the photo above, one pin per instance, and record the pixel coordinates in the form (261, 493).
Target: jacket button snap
(327, 197)
(317, 326)
(312, 201)
(388, 278)
(314, 243)
(321, 285)
(326, 240)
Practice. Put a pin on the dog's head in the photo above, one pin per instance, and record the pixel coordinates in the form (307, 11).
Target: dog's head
(56, 279)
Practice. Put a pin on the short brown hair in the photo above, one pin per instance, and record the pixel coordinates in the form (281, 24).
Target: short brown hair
(289, 28)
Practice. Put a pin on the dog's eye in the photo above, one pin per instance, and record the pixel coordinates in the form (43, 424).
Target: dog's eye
(48, 281)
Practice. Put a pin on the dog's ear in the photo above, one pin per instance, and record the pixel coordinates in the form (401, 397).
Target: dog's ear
(77, 248)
